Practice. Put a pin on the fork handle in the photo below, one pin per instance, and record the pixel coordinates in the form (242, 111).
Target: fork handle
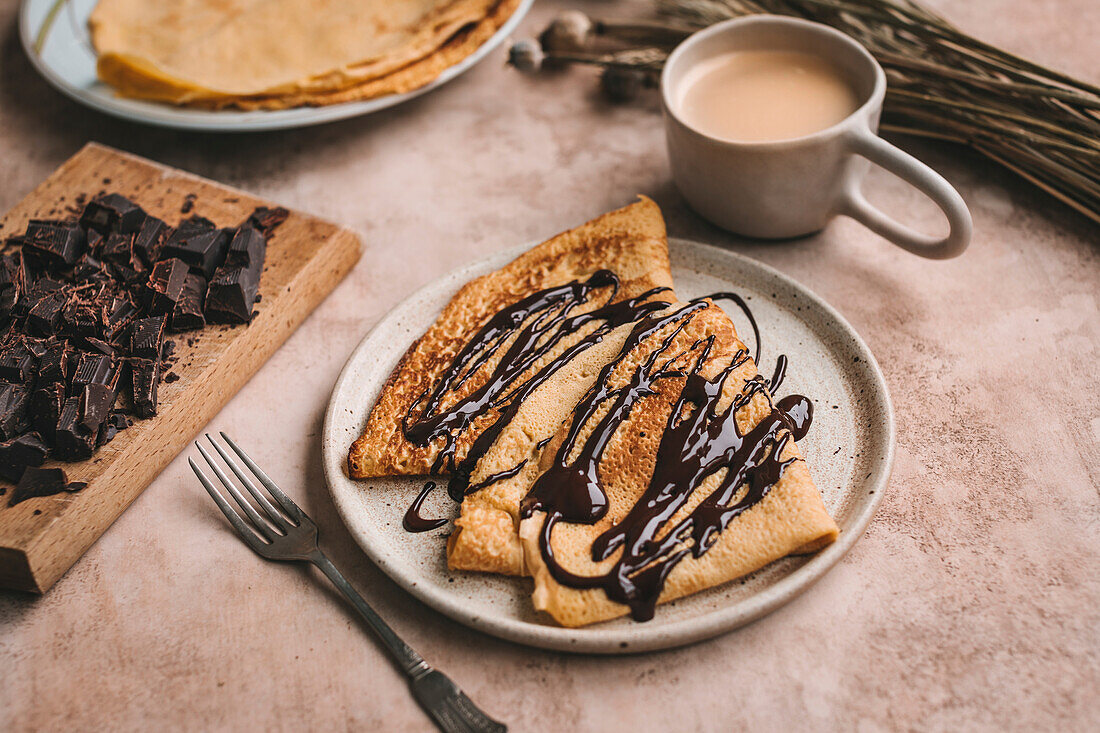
(410, 662)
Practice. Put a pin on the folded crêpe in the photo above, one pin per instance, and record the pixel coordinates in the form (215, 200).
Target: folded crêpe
(560, 311)
(676, 472)
(282, 52)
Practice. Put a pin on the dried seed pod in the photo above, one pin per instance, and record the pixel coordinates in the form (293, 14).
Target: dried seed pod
(570, 31)
(526, 55)
(621, 84)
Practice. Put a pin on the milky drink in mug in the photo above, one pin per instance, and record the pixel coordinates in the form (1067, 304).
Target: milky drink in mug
(771, 122)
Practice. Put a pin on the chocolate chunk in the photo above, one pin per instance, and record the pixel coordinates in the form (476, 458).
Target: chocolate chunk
(116, 423)
(21, 451)
(37, 482)
(14, 399)
(94, 369)
(231, 295)
(246, 249)
(202, 251)
(45, 315)
(146, 375)
(149, 239)
(162, 292)
(45, 408)
(81, 318)
(95, 405)
(17, 363)
(112, 213)
(190, 226)
(54, 365)
(118, 312)
(116, 249)
(99, 346)
(55, 244)
(88, 268)
(188, 311)
(267, 219)
(40, 289)
(73, 441)
(147, 336)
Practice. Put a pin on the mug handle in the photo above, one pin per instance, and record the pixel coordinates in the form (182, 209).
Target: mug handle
(872, 147)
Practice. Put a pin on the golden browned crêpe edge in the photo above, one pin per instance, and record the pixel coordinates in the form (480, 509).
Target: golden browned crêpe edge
(191, 51)
(410, 78)
(630, 242)
(790, 519)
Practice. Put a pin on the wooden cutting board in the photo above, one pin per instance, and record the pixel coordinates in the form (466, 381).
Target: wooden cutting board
(42, 538)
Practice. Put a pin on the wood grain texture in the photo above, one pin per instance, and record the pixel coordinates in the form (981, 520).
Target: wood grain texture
(41, 538)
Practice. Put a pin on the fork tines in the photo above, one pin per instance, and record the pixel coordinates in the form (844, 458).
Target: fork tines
(259, 531)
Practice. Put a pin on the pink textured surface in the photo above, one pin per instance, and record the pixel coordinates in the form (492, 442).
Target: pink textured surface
(971, 604)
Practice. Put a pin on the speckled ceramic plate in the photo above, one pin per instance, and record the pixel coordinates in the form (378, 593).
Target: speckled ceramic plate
(849, 449)
(67, 61)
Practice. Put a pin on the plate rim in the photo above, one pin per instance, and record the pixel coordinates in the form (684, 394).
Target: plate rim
(629, 640)
(163, 115)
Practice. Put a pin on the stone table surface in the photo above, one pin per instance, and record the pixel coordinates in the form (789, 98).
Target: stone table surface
(970, 604)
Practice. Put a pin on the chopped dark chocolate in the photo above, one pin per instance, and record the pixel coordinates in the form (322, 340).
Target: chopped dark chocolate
(99, 346)
(148, 334)
(21, 451)
(162, 292)
(116, 249)
(94, 369)
(73, 441)
(45, 315)
(246, 249)
(37, 482)
(17, 363)
(95, 405)
(118, 312)
(231, 295)
(83, 310)
(267, 219)
(89, 268)
(112, 212)
(115, 423)
(54, 365)
(14, 399)
(146, 375)
(203, 251)
(81, 318)
(45, 409)
(43, 288)
(149, 239)
(188, 313)
(53, 243)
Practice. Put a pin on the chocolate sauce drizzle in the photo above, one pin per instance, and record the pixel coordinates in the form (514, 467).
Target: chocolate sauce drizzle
(526, 332)
(412, 521)
(699, 441)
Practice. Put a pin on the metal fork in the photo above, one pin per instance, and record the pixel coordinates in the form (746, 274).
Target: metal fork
(286, 533)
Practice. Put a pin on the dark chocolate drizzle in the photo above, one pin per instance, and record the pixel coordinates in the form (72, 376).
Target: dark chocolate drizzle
(526, 332)
(699, 441)
(413, 522)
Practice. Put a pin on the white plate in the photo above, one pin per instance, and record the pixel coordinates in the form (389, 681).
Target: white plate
(849, 449)
(68, 62)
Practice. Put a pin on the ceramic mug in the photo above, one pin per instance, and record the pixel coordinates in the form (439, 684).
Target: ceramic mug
(789, 188)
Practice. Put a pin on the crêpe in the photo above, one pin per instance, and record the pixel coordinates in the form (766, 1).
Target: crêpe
(198, 52)
(629, 242)
(790, 518)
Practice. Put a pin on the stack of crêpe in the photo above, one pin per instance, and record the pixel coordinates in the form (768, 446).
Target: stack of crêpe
(609, 440)
(276, 54)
